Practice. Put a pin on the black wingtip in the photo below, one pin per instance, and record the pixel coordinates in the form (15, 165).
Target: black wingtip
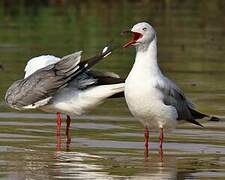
(199, 124)
(195, 122)
(197, 115)
(215, 119)
(88, 63)
(109, 48)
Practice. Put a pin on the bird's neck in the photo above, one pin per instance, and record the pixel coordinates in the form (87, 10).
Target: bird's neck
(146, 58)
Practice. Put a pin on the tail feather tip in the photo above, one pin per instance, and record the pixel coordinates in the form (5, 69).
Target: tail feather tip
(214, 118)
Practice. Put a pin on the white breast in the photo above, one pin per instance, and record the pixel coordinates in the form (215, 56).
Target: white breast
(143, 98)
(145, 102)
(138, 94)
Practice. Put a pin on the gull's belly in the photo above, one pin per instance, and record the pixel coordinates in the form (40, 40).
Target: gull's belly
(74, 101)
(146, 104)
(142, 102)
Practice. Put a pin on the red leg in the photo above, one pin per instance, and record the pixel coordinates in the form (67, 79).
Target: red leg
(146, 141)
(161, 137)
(59, 122)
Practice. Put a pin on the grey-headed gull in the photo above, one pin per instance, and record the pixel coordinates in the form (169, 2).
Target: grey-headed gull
(64, 85)
(151, 97)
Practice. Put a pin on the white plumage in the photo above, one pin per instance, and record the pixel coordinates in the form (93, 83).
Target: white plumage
(39, 62)
(151, 97)
(78, 102)
(144, 99)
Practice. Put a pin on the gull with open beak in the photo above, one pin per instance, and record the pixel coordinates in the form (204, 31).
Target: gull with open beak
(151, 97)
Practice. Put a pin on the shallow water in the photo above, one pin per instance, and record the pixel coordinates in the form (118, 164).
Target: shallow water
(107, 149)
(107, 143)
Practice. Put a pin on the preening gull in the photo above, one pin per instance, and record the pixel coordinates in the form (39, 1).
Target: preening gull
(64, 85)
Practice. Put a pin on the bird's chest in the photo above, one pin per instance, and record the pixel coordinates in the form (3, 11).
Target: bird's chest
(141, 96)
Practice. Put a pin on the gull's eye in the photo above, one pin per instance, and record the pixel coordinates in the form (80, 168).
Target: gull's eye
(144, 29)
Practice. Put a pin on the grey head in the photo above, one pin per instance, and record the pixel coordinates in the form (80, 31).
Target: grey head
(143, 34)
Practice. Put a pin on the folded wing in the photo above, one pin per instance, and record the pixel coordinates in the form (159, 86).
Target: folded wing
(173, 96)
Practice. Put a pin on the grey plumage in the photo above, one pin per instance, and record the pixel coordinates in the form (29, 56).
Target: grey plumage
(43, 83)
(92, 78)
(40, 87)
(173, 96)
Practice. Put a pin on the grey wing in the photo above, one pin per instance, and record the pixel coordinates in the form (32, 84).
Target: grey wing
(92, 78)
(42, 84)
(104, 78)
(173, 96)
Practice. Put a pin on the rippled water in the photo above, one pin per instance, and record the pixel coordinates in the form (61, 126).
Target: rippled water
(107, 143)
(107, 148)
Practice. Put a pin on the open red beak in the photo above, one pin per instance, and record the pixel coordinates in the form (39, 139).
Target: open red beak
(134, 39)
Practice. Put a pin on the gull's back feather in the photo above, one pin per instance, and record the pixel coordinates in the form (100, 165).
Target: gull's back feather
(43, 83)
(172, 95)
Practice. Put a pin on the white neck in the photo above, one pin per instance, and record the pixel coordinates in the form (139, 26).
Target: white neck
(146, 58)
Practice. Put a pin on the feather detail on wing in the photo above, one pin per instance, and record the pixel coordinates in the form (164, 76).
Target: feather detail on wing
(106, 78)
(39, 62)
(173, 96)
(38, 88)
(43, 83)
(92, 78)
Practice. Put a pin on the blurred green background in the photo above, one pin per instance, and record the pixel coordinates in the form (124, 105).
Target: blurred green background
(191, 39)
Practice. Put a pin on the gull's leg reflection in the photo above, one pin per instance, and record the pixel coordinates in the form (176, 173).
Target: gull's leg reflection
(146, 142)
(58, 142)
(59, 122)
(161, 137)
(68, 136)
(161, 154)
(58, 133)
